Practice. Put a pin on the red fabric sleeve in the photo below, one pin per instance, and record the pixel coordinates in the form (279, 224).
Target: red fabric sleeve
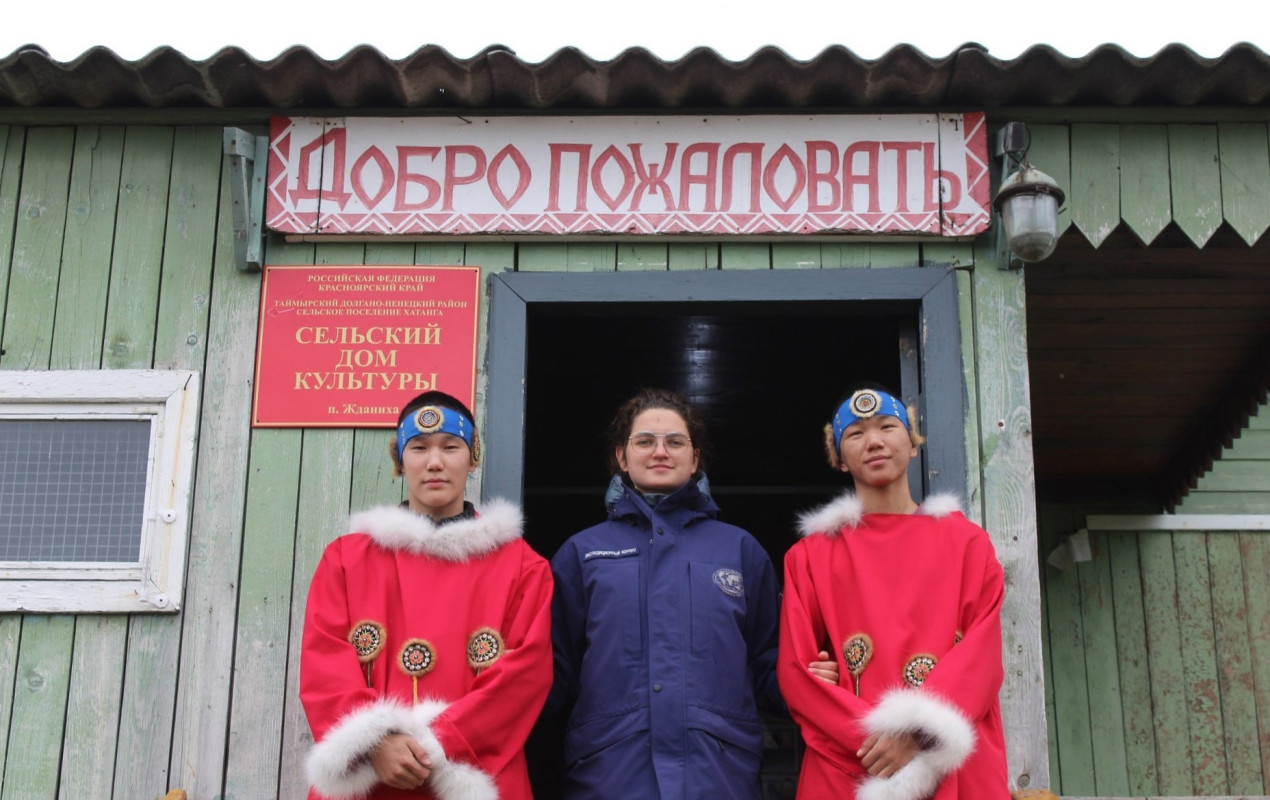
(829, 716)
(488, 726)
(331, 679)
(970, 674)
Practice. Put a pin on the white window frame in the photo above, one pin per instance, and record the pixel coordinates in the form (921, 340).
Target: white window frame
(155, 582)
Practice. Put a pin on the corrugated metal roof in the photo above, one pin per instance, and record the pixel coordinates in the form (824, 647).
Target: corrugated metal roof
(571, 81)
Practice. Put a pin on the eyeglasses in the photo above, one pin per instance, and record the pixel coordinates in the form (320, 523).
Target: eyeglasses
(646, 442)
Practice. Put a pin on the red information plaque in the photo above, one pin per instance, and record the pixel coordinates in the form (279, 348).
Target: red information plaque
(346, 346)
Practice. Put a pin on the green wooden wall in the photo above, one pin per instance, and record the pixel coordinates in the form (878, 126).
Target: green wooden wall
(1158, 662)
(116, 251)
(1238, 482)
(1149, 175)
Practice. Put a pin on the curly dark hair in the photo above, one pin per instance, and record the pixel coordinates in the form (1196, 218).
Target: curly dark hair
(433, 398)
(644, 400)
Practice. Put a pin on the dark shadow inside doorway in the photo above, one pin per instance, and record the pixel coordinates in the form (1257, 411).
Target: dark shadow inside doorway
(765, 376)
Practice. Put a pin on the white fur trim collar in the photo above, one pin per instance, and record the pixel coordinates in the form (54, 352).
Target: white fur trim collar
(395, 528)
(846, 511)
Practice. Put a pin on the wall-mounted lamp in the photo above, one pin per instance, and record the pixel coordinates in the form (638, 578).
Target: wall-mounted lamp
(1028, 199)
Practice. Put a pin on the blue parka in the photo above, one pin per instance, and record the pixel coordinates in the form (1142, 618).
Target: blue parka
(665, 626)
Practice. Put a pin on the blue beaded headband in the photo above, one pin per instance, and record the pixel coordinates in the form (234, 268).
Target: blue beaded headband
(864, 404)
(434, 419)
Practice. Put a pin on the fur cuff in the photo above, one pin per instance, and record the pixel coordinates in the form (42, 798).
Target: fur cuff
(338, 766)
(450, 780)
(911, 711)
(395, 528)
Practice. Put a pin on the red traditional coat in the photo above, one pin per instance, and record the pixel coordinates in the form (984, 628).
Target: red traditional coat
(467, 606)
(909, 604)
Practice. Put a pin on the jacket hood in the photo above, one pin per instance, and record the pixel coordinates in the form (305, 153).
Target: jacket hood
(847, 510)
(394, 528)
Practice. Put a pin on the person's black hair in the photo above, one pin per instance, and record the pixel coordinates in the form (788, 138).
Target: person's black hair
(434, 397)
(646, 400)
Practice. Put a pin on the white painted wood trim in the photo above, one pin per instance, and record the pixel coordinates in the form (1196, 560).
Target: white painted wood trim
(1178, 522)
(156, 581)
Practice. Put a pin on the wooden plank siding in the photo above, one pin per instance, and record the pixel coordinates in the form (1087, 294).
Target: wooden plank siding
(116, 251)
(1166, 694)
(1146, 176)
(1239, 480)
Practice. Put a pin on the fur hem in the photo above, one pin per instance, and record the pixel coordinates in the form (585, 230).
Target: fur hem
(846, 511)
(395, 528)
(338, 766)
(910, 711)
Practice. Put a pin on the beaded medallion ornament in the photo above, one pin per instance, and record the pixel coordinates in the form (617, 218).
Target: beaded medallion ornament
(484, 648)
(367, 638)
(918, 668)
(857, 651)
(416, 660)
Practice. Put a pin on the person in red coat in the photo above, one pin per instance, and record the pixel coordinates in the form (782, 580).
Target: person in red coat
(908, 597)
(427, 637)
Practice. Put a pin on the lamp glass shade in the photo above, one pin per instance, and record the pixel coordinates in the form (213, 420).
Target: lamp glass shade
(1031, 224)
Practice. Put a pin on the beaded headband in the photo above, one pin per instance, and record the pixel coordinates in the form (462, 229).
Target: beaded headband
(434, 419)
(864, 404)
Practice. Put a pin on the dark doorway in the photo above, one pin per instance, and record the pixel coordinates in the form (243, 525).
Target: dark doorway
(765, 377)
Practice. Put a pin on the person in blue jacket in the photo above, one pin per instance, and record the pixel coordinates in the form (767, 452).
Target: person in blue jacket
(665, 626)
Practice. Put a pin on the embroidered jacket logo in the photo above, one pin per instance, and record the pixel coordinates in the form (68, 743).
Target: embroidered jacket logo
(729, 580)
(630, 551)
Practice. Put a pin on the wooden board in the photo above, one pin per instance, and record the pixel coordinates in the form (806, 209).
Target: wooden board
(12, 139)
(264, 613)
(1072, 726)
(1009, 502)
(37, 250)
(38, 707)
(647, 257)
(325, 477)
(137, 258)
(1144, 180)
(1245, 177)
(1095, 195)
(93, 707)
(202, 704)
(1235, 678)
(1254, 552)
(1164, 642)
(93, 198)
(745, 255)
(1133, 662)
(1106, 718)
(1196, 176)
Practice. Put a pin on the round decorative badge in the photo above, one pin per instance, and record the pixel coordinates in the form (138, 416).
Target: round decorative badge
(918, 669)
(730, 581)
(865, 403)
(428, 419)
(484, 648)
(857, 651)
(367, 639)
(417, 658)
